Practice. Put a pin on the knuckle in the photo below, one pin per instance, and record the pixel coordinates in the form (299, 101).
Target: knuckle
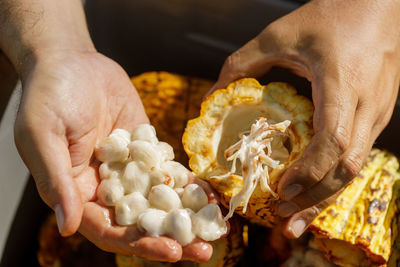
(339, 139)
(271, 37)
(45, 190)
(315, 211)
(352, 164)
(233, 64)
(314, 174)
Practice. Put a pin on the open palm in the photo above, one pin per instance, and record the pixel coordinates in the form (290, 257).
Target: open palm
(70, 101)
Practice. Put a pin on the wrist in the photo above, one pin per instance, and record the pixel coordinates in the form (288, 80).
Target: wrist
(49, 27)
(27, 57)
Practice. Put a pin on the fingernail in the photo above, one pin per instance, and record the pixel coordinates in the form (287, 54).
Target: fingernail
(60, 218)
(298, 227)
(291, 191)
(286, 209)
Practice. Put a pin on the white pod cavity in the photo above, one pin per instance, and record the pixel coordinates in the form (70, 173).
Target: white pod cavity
(194, 197)
(208, 223)
(145, 154)
(130, 207)
(158, 177)
(164, 197)
(135, 179)
(151, 221)
(111, 170)
(110, 191)
(177, 171)
(113, 148)
(145, 132)
(178, 225)
(167, 152)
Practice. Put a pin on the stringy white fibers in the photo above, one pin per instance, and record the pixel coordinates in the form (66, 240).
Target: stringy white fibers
(148, 189)
(254, 152)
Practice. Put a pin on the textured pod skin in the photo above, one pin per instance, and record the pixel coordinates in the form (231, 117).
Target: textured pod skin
(236, 108)
(357, 230)
(170, 100)
(394, 260)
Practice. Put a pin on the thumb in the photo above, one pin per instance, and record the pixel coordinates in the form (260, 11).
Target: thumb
(47, 156)
(248, 61)
(272, 47)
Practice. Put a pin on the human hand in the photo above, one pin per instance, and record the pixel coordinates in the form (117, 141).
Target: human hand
(350, 52)
(71, 100)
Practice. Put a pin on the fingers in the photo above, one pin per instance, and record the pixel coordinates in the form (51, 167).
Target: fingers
(343, 170)
(198, 250)
(296, 225)
(259, 55)
(98, 227)
(333, 120)
(248, 61)
(46, 155)
(157, 249)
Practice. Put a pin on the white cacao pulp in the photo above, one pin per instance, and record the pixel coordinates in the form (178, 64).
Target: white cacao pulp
(129, 207)
(164, 197)
(152, 222)
(178, 224)
(194, 197)
(176, 170)
(110, 191)
(149, 190)
(145, 132)
(145, 154)
(111, 170)
(208, 223)
(114, 147)
(135, 179)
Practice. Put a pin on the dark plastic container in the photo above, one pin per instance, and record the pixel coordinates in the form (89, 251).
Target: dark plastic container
(191, 37)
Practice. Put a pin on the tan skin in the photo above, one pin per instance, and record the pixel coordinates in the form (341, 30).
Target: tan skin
(73, 97)
(350, 52)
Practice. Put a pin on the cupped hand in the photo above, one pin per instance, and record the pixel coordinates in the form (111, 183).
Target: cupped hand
(350, 52)
(71, 100)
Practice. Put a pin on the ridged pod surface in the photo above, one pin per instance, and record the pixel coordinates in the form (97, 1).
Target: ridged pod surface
(359, 228)
(229, 112)
(170, 100)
